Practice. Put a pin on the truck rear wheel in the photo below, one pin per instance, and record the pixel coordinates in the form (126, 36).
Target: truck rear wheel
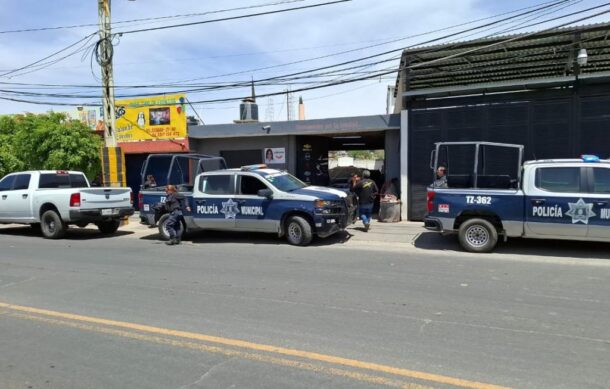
(478, 236)
(109, 227)
(52, 226)
(298, 231)
(162, 223)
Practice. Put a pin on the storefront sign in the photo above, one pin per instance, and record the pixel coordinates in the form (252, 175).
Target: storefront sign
(151, 118)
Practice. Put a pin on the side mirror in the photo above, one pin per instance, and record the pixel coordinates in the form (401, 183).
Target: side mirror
(432, 159)
(268, 193)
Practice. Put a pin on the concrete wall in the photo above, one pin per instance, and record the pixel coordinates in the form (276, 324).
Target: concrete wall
(392, 154)
(404, 163)
(215, 146)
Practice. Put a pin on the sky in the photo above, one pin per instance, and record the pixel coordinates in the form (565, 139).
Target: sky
(237, 50)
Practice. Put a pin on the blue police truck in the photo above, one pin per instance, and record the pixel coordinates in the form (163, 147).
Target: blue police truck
(489, 194)
(258, 199)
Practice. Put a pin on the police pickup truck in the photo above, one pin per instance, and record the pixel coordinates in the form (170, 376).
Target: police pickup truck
(566, 199)
(257, 199)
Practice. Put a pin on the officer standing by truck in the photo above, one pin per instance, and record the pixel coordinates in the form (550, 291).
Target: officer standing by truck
(366, 190)
(175, 203)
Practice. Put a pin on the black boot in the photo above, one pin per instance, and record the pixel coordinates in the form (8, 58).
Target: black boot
(171, 242)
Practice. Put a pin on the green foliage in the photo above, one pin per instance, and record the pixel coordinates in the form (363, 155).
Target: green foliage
(366, 154)
(47, 142)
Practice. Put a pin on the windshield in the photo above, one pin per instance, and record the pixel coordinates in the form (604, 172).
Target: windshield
(285, 182)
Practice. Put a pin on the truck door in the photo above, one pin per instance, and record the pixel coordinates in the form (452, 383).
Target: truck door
(19, 201)
(599, 195)
(254, 215)
(555, 203)
(6, 184)
(215, 207)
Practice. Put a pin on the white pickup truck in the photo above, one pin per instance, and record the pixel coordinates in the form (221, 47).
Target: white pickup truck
(52, 200)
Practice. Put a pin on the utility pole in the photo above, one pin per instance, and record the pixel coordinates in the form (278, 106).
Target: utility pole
(289, 105)
(112, 157)
(104, 54)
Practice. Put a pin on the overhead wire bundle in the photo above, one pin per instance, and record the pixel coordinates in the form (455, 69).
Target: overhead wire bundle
(359, 69)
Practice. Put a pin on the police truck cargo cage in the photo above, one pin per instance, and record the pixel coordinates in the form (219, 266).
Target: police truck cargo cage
(492, 195)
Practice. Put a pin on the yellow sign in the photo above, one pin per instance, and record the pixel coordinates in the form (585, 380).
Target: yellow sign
(151, 118)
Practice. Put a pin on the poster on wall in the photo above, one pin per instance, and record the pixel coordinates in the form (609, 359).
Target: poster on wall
(274, 156)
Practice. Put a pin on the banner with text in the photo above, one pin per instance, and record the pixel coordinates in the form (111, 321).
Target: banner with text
(151, 118)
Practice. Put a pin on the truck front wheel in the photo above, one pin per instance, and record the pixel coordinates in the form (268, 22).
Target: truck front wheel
(478, 236)
(298, 231)
(52, 226)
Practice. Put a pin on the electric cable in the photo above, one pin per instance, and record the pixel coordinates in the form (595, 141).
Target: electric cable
(230, 18)
(535, 9)
(439, 59)
(153, 18)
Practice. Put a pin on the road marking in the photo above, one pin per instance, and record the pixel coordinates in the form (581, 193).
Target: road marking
(224, 351)
(317, 357)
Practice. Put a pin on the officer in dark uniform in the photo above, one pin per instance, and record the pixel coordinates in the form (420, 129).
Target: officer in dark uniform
(366, 190)
(440, 180)
(175, 203)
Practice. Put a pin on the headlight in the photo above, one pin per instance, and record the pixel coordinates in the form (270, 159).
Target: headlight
(321, 203)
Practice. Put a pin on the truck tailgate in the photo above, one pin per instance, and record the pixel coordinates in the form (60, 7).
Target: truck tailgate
(96, 198)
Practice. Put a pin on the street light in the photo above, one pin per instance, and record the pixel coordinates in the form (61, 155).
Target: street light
(581, 58)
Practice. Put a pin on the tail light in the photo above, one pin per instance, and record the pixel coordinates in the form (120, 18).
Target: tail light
(140, 200)
(431, 201)
(75, 200)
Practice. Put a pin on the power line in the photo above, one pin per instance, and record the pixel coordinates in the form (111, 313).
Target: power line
(431, 61)
(249, 71)
(88, 37)
(379, 74)
(153, 18)
(187, 24)
(531, 9)
(230, 18)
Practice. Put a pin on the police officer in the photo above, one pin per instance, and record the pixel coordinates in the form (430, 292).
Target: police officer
(366, 190)
(175, 203)
(441, 178)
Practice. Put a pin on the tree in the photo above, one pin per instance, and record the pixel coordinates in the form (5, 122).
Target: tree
(49, 142)
(9, 162)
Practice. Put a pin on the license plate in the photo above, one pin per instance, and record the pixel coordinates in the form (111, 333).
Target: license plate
(108, 212)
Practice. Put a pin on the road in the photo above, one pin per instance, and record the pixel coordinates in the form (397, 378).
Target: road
(249, 311)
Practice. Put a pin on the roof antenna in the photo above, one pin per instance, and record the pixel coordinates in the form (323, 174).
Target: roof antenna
(253, 94)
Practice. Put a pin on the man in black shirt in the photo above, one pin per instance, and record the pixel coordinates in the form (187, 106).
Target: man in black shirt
(366, 190)
(175, 204)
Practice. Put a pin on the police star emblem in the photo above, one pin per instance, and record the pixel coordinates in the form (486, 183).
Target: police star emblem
(580, 211)
(230, 209)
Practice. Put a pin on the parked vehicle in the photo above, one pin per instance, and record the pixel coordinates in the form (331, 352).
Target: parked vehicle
(53, 200)
(255, 198)
(545, 199)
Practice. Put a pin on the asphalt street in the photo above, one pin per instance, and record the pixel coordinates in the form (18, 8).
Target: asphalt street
(250, 311)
